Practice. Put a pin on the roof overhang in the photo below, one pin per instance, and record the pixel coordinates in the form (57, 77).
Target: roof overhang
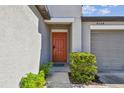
(102, 18)
(60, 21)
(43, 11)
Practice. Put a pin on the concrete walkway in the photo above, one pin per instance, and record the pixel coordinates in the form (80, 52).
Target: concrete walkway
(59, 78)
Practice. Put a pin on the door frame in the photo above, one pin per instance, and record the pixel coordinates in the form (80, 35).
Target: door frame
(51, 44)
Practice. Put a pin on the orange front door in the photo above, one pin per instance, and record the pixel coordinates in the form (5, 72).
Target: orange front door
(59, 46)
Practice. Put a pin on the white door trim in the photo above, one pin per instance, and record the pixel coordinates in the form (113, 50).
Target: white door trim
(107, 27)
(59, 30)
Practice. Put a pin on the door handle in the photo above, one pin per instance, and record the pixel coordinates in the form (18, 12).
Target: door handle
(53, 46)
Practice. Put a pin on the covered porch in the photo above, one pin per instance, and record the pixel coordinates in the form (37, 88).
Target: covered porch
(65, 37)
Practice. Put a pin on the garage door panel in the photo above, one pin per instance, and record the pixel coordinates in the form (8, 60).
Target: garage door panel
(108, 43)
(111, 54)
(106, 65)
(108, 46)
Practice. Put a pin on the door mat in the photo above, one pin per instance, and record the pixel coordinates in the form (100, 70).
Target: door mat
(58, 65)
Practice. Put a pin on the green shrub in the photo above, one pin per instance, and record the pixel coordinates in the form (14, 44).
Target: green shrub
(33, 80)
(46, 67)
(83, 67)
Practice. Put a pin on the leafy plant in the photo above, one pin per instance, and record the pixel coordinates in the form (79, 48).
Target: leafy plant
(83, 67)
(33, 80)
(46, 67)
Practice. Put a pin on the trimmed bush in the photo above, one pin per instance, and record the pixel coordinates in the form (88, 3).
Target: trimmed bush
(83, 67)
(36, 80)
(33, 80)
(46, 67)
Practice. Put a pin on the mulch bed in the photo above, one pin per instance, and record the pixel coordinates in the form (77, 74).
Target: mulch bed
(94, 82)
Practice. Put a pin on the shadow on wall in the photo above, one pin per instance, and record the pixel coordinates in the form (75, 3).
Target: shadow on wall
(45, 37)
(45, 42)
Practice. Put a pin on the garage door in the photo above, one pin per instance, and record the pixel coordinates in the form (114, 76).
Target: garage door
(108, 46)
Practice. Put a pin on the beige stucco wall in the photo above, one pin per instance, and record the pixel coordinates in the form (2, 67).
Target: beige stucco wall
(76, 35)
(86, 33)
(20, 44)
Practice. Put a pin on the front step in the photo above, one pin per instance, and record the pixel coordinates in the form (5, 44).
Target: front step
(64, 68)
